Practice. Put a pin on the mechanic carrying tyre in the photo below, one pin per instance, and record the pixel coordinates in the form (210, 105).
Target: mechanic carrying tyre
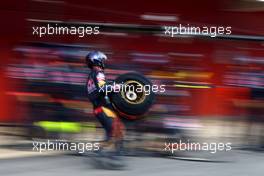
(111, 100)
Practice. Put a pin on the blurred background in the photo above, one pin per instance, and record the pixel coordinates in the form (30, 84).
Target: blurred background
(214, 86)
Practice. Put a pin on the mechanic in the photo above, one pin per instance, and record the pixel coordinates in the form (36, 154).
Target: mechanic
(103, 110)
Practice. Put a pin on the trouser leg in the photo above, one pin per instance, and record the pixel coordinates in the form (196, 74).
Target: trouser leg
(111, 123)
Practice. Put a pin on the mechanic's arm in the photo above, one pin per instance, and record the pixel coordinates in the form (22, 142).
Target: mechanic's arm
(104, 86)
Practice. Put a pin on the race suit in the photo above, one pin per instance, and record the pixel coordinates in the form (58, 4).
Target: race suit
(103, 110)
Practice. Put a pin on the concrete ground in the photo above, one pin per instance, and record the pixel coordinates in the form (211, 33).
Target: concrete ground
(15, 162)
(242, 163)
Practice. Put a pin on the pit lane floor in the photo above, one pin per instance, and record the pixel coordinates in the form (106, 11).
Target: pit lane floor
(243, 163)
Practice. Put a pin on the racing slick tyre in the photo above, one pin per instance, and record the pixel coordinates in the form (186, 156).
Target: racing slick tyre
(135, 96)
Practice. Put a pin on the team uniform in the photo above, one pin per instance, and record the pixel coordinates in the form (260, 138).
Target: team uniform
(103, 110)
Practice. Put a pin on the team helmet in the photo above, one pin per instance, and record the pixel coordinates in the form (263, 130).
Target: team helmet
(96, 58)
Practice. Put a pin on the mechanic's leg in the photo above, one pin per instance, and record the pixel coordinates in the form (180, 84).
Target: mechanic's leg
(113, 126)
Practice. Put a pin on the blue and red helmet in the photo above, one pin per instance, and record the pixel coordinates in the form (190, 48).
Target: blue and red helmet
(95, 58)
